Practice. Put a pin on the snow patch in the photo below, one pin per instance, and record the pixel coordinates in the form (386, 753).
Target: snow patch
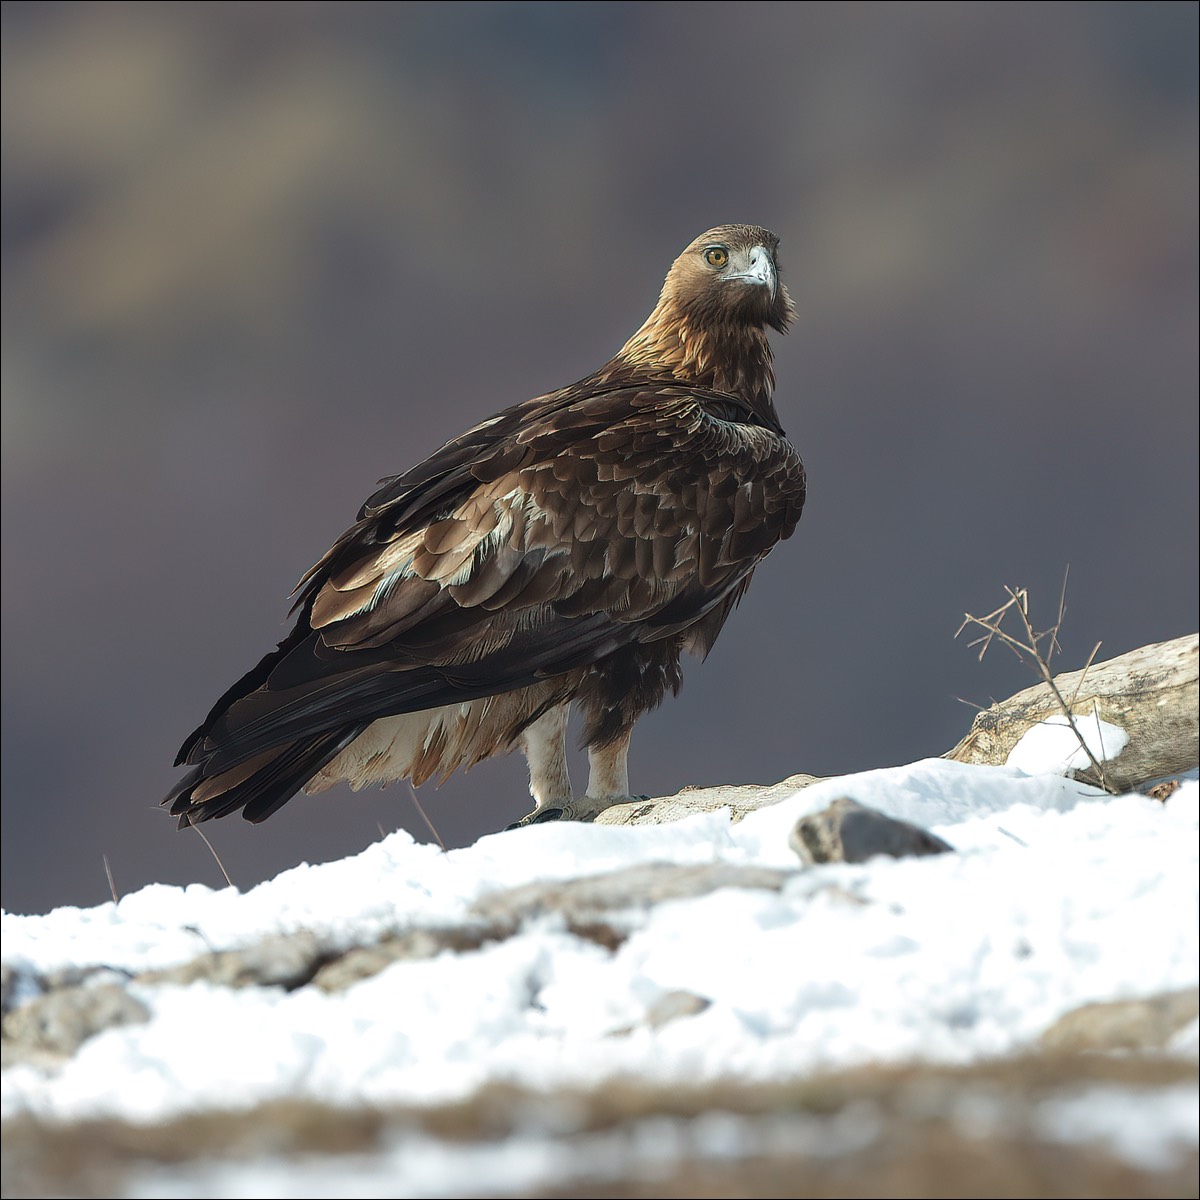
(1052, 745)
(1058, 895)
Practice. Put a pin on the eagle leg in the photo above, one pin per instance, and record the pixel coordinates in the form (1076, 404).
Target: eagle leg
(608, 781)
(608, 775)
(545, 745)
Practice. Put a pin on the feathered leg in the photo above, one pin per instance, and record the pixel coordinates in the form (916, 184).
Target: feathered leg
(608, 777)
(545, 746)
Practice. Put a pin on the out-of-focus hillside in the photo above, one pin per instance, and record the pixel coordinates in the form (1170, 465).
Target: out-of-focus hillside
(258, 255)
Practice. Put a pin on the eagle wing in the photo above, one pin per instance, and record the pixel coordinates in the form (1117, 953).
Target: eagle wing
(536, 543)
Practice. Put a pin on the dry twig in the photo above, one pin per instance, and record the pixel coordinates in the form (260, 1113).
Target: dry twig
(1040, 647)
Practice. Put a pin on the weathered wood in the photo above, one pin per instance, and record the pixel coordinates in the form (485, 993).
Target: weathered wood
(1152, 693)
(740, 799)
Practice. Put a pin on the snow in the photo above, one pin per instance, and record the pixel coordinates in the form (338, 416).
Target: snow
(1057, 895)
(1052, 745)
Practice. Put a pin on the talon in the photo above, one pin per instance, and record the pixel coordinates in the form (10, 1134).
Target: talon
(538, 817)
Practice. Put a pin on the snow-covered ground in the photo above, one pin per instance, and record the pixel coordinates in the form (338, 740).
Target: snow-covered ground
(1058, 895)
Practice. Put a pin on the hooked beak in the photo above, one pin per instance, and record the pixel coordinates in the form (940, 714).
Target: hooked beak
(760, 269)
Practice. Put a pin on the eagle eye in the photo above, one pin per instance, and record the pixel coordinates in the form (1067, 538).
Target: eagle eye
(716, 256)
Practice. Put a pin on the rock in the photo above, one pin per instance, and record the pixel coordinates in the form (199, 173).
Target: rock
(1147, 1024)
(52, 1027)
(10, 982)
(588, 907)
(671, 1006)
(364, 961)
(595, 899)
(287, 961)
(850, 832)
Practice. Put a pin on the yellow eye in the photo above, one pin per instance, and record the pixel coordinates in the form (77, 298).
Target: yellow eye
(716, 256)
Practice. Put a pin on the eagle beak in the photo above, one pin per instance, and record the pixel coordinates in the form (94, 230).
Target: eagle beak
(760, 269)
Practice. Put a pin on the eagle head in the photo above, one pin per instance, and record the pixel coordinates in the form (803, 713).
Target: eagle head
(709, 326)
(729, 275)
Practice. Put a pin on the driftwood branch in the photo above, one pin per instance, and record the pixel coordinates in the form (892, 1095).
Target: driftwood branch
(1152, 693)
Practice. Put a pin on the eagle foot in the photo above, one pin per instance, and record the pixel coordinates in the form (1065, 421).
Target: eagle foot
(539, 816)
(583, 809)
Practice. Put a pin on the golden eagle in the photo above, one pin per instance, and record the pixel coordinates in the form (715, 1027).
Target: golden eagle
(567, 550)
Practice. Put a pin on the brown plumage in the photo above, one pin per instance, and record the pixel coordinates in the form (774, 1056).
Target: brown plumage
(567, 550)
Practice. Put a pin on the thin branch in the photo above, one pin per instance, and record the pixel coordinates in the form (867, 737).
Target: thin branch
(1048, 676)
(1062, 607)
(1087, 666)
(1032, 646)
(1099, 727)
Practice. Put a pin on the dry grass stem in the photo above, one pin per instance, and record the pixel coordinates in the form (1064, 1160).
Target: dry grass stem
(213, 852)
(425, 817)
(112, 887)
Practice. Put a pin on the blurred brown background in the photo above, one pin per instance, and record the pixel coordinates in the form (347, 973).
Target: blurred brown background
(257, 256)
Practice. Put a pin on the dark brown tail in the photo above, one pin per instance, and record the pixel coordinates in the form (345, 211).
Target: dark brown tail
(261, 784)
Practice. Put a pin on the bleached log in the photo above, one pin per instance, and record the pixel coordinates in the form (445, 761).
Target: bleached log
(1152, 693)
(740, 799)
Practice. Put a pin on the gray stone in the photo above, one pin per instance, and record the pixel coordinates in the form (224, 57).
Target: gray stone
(52, 1027)
(598, 898)
(671, 1006)
(1147, 1024)
(10, 983)
(364, 961)
(850, 832)
(591, 908)
(287, 961)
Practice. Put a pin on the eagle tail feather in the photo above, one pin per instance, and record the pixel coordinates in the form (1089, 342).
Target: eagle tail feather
(275, 778)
